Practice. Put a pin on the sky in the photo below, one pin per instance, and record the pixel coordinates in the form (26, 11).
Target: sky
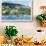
(24, 2)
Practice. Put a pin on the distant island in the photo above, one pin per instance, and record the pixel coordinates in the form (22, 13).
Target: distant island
(15, 9)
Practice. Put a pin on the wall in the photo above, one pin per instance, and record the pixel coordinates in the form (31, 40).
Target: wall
(26, 28)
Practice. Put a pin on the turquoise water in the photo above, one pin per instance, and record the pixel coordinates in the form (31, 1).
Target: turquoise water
(14, 17)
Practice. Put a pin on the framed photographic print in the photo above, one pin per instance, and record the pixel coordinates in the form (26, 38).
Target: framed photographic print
(17, 10)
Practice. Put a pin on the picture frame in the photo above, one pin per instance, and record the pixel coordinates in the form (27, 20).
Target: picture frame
(17, 10)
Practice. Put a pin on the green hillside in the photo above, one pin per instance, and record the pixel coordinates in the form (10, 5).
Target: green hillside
(15, 9)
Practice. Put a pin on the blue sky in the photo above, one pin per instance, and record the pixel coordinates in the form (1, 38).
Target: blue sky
(24, 2)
